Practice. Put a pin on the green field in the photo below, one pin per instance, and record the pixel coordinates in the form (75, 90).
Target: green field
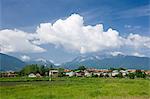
(75, 88)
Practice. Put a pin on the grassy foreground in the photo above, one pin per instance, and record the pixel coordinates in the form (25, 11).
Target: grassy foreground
(76, 88)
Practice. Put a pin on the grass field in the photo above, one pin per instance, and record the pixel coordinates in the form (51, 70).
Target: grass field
(75, 88)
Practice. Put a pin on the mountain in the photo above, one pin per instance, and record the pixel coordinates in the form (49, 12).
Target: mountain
(130, 62)
(41, 61)
(10, 63)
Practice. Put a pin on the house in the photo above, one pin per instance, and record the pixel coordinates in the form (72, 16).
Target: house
(38, 75)
(79, 73)
(87, 73)
(106, 74)
(70, 74)
(124, 72)
(97, 73)
(8, 74)
(131, 70)
(67, 70)
(53, 73)
(147, 72)
(31, 75)
(114, 73)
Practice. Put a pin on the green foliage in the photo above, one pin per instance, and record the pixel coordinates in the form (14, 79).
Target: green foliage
(131, 75)
(34, 69)
(117, 68)
(101, 75)
(120, 75)
(82, 68)
(43, 70)
(140, 74)
(61, 72)
(95, 75)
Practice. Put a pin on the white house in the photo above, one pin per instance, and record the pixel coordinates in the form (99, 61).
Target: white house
(97, 73)
(87, 74)
(124, 72)
(31, 75)
(53, 73)
(114, 73)
(70, 74)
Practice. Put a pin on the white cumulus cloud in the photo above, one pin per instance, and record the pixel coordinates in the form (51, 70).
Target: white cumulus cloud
(137, 41)
(72, 34)
(17, 41)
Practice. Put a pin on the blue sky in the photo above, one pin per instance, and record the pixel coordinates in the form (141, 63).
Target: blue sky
(125, 16)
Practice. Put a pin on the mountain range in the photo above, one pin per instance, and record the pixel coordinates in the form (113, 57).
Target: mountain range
(92, 61)
(130, 62)
(8, 62)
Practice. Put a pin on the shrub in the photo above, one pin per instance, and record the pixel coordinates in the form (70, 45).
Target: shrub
(131, 75)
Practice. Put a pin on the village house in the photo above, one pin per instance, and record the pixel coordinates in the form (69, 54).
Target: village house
(31, 75)
(114, 73)
(70, 74)
(38, 75)
(124, 72)
(8, 74)
(147, 72)
(53, 73)
(87, 73)
(131, 70)
(79, 73)
(97, 73)
(67, 70)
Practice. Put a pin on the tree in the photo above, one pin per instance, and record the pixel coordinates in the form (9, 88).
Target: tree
(131, 75)
(29, 69)
(61, 72)
(43, 70)
(121, 68)
(111, 68)
(34, 68)
(140, 74)
(120, 75)
(82, 68)
(51, 66)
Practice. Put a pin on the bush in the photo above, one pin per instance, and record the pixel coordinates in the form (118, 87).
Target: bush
(140, 74)
(131, 75)
(94, 75)
(120, 75)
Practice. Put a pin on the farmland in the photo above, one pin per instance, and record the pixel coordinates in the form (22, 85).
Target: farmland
(74, 88)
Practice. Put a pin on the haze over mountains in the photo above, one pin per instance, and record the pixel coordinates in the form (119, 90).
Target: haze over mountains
(93, 61)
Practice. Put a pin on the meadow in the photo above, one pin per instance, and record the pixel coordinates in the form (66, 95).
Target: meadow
(74, 88)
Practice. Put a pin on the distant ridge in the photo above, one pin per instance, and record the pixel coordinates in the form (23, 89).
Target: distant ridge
(10, 63)
(44, 62)
(130, 62)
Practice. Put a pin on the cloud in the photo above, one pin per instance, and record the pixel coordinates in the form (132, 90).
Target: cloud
(17, 41)
(136, 41)
(25, 58)
(115, 53)
(138, 54)
(72, 34)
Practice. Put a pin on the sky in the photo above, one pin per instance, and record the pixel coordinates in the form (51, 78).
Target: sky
(60, 30)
